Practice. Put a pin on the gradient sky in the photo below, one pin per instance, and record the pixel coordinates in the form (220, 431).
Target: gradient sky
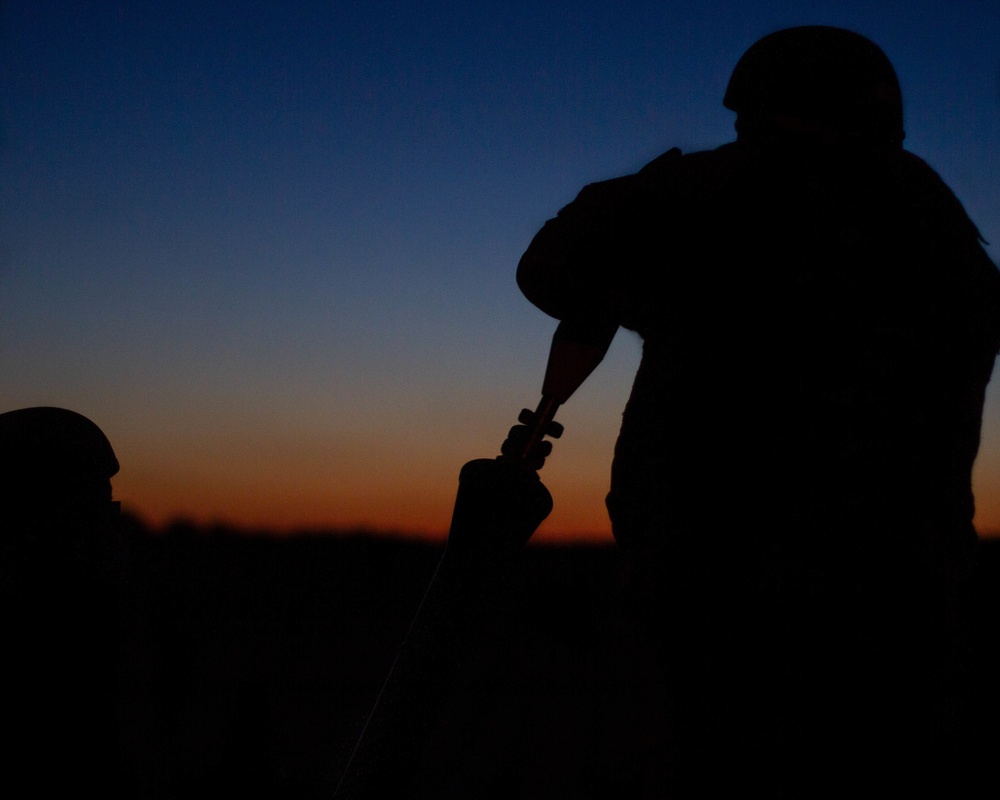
(270, 247)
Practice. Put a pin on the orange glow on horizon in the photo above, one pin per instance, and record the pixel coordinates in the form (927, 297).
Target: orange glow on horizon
(420, 512)
(404, 482)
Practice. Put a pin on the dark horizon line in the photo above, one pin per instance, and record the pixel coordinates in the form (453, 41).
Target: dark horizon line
(221, 527)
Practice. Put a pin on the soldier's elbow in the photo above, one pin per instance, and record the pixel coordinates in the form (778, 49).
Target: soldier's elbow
(538, 280)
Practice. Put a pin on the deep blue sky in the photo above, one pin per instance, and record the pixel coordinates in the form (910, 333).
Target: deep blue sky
(269, 247)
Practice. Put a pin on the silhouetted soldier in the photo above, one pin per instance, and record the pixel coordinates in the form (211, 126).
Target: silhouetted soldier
(61, 570)
(792, 480)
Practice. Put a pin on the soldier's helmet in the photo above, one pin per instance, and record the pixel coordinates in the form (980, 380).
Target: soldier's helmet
(819, 75)
(53, 460)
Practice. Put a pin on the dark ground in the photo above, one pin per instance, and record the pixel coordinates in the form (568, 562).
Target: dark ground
(250, 664)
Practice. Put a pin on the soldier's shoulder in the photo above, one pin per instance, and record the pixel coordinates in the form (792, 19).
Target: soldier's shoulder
(690, 179)
(928, 191)
(678, 162)
(673, 167)
(664, 161)
(932, 202)
(919, 177)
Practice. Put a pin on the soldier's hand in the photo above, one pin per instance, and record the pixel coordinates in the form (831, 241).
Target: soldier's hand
(517, 440)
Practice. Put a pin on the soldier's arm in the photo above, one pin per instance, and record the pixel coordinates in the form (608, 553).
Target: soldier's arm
(569, 269)
(584, 262)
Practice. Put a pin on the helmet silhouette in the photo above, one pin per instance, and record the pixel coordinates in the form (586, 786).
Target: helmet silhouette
(56, 454)
(820, 75)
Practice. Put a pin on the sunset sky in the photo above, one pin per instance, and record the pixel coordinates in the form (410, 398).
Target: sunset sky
(270, 247)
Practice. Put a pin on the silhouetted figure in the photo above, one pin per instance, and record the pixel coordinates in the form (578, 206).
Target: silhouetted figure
(61, 571)
(792, 480)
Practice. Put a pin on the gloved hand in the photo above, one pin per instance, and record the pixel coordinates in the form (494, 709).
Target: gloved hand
(513, 448)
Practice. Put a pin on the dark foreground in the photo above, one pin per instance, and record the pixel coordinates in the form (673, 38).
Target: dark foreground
(250, 665)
